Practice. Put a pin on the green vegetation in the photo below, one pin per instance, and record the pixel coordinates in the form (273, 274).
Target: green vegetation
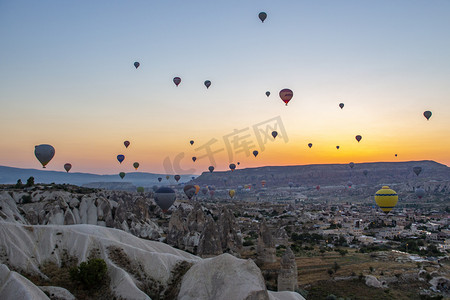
(90, 273)
(30, 182)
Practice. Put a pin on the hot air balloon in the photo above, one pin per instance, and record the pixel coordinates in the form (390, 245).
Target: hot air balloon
(204, 190)
(167, 177)
(231, 193)
(286, 95)
(126, 143)
(136, 64)
(211, 169)
(352, 164)
(337, 147)
(67, 167)
(120, 158)
(349, 184)
(365, 172)
(165, 197)
(274, 134)
(386, 199)
(263, 183)
(341, 105)
(211, 192)
(262, 16)
(239, 163)
(395, 154)
(176, 80)
(427, 114)
(420, 192)
(358, 138)
(291, 184)
(232, 167)
(207, 84)
(136, 165)
(255, 153)
(177, 177)
(267, 93)
(309, 145)
(194, 158)
(191, 142)
(122, 174)
(159, 179)
(193, 177)
(417, 170)
(140, 189)
(189, 190)
(44, 153)
(197, 189)
(318, 187)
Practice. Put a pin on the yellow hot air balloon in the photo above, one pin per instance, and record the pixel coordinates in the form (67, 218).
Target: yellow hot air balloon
(231, 193)
(386, 199)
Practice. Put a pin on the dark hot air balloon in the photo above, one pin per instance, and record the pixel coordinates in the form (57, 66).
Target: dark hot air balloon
(136, 165)
(126, 143)
(255, 153)
(67, 167)
(274, 134)
(194, 158)
(165, 197)
(352, 164)
(337, 147)
(191, 142)
(365, 172)
(120, 158)
(207, 84)
(267, 93)
(417, 170)
(159, 179)
(136, 64)
(177, 177)
(44, 153)
(262, 16)
(341, 105)
(427, 114)
(176, 80)
(122, 174)
(189, 190)
(420, 192)
(310, 145)
(232, 167)
(358, 138)
(211, 169)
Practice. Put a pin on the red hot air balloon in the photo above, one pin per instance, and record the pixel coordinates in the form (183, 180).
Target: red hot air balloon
(126, 143)
(286, 95)
(67, 167)
(318, 187)
(358, 138)
(177, 80)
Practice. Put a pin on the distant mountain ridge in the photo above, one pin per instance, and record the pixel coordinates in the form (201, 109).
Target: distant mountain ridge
(330, 174)
(10, 175)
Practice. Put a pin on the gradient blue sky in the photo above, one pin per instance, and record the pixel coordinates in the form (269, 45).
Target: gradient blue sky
(67, 79)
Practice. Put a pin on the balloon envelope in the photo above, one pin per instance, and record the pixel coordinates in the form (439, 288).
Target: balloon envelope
(417, 170)
(352, 164)
(136, 165)
(191, 142)
(189, 190)
(194, 158)
(232, 167)
(286, 95)
(136, 64)
(231, 193)
(211, 169)
(67, 167)
(337, 147)
(318, 187)
(267, 93)
(177, 177)
(126, 143)
(427, 114)
(176, 80)
(358, 138)
(122, 174)
(167, 177)
(274, 134)
(255, 153)
(262, 16)
(365, 172)
(159, 179)
(420, 192)
(120, 158)
(44, 153)
(386, 199)
(165, 197)
(207, 84)
(341, 105)
(309, 145)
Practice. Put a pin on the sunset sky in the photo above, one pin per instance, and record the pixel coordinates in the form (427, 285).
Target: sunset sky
(67, 79)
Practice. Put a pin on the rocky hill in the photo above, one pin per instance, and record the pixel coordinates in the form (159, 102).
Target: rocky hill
(329, 174)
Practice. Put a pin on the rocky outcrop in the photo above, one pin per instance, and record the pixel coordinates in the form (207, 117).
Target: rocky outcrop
(374, 282)
(230, 235)
(287, 276)
(122, 210)
(265, 248)
(137, 268)
(209, 244)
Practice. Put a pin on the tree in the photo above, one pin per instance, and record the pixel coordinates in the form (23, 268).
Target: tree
(336, 267)
(30, 181)
(330, 272)
(19, 184)
(90, 273)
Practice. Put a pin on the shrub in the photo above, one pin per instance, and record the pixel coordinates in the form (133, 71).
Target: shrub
(19, 184)
(30, 181)
(90, 273)
(26, 199)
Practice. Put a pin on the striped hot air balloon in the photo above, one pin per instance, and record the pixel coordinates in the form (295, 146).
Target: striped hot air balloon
(386, 199)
